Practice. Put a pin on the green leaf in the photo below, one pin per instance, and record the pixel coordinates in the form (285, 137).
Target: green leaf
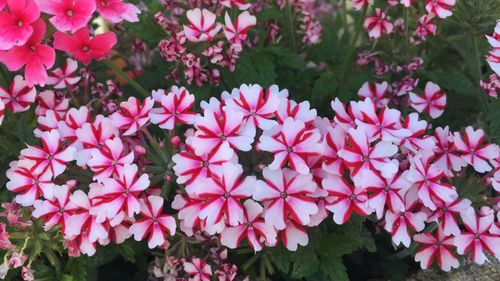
(305, 263)
(126, 251)
(334, 268)
(281, 258)
(494, 120)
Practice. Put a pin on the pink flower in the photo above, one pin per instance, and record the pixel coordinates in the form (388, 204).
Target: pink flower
(69, 15)
(240, 4)
(440, 8)
(493, 59)
(258, 107)
(19, 96)
(252, 228)
(93, 136)
(474, 152)
(35, 56)
(436, 246)
(132, 115)
(237, 33)
(298, 111)
(197, 269)
(476, 238)
(294, 235)
(202, 25)
(377, 25)
(17, 259)
(433, 102)
(214, 130)
(347, 199)
(57, 210)
(293, 144)
(30, 185)
(427, 177)
(110, 160)
(74, 120)
(358, 5)
(153, 222)
(2, 111)
(426, 26)
(47, 100)
(417, 141)
(121, 192)
(51, 155)
(222, 193)
(15, 22)
(447, 157)
(491, 86)
(84, 48)
(62, 78)
(377, 92)
(334, 141)
(445, 215)
(397, 222)
(189, 167)
(116, 11)
(284, 193)
(359, 156)
(175, 108)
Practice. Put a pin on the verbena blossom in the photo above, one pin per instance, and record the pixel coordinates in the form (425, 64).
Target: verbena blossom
(202, 25)
(378, 25)
(16, 22)
(19, 96)
(433, 102)
(68, 15)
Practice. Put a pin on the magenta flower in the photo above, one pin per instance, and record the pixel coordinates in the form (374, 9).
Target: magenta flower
(222, 194)
(417, 141)
(82, 46)
(446, 212)
(297, 111)
(197, 269)
(116, 11)
(437, 246)
(74, 120)
(377, 92)
(2, 111)
(33, 55)
(426, 26)
(202, 25)
(347, 199)
(93, 136)
(16, 22)
(240, 4)
(121, 193)
(284, 193)
(377, 25)
(50, 156)
(153, 222)
(433, 102)
(30, 185)
(47, 100)
(237, 32)
(447, 157)
(69, 15)
(132, 115)
(293, 144)
(440, 8)
(110, 160)
(477, 239)
(175, 108)
(334, 141)
(57, 210)
(61, 78)
(474, 152)
(19, 96)
(253, 228)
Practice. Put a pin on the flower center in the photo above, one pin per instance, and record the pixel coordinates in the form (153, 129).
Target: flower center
(387, 188)
(283, 194)
(33, 48)
(50, 157)
(61, 211)
(70, 13)
(289, 149)
(352, 197)
(477, 236)
(223, 137)
(155, 220)
(85, 48)
(20, 24)
(365, 158)
(206, 164)
(104, 3)
(227, 195)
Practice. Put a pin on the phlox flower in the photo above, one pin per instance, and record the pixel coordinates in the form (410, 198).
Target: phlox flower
(50, 156)
(213, 130)
(446, 212)
(30, 185)
(491, 86)
(121, 193)
(47, 122)
(377, 92)
(202, 25)
(298, 111)
(334, 141)
(240, 4)
(34, 56)
(447, 157)
(61, 78)
(47, 100)
(347, 199)
(132, 115)
(222, 194)
(109, 160)
(19, 96)
(284, 193)
(358, 5)
(197, 269)
(237, 32)
(74, 120)
(377, 25)
(493, 59)
(68, 15)
(16, 22)
(426, 26)
(257, 105)
(476, 238)
(292, 145)
(294, 235)
(57, 210)
(175, 108)
(433, 102)
(417, 141)
(437, 246)
(82, 47)
(440, 8)
(116, 11)
(93, 136)
(2, 111)
(252, 228)
(153, 222)
(474, 152)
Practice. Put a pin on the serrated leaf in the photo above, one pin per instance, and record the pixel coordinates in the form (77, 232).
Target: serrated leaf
(281, 258)
(334, 268)
(305, 263)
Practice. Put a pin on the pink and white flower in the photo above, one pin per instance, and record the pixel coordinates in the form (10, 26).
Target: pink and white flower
(153, 222)
(110, 160)
(377, 25)
(334, 141)
(474, 152)
(93, 136)
(84, 224)
(446, 212)
(202, 25)
(447, 157)
(437, 246)
(30, 185)
(240, 4)
(175, 108)
(294, 235)
(74, 120)
(19, 96)
(377, 92)
(132, 115)
(61, 78)
(426, 26)
(284, 193)
(57, 210)
(197, 269)
(433, 102)
(116, 11)
(440, 8)
(237, 32)
(47, 100)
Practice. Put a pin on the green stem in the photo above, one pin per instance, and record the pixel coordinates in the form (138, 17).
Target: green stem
(478, 72)
(124, 75)
(289, 17)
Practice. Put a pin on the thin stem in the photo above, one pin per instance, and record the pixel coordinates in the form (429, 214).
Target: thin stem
(124, 75)
(478, 72)
(289, 17)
